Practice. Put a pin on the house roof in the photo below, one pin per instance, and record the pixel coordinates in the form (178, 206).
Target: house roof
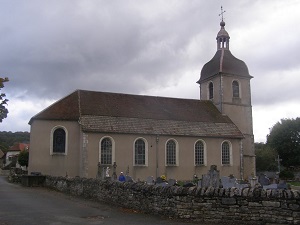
(18, 147)
(124, 113)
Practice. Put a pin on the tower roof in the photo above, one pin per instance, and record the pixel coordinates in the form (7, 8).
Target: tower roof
(223, 61)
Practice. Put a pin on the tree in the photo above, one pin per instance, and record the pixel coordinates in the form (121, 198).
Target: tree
(265, 157)
(23, 158)
(3, 100)
(284, 137)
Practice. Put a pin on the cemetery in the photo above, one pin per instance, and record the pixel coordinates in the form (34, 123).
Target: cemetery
(210, 199)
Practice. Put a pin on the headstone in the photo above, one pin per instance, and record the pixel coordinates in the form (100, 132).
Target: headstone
(171, 182)
(253, 181)
(189, 184)
(107, 172)
(263, 180)
(150, 180)
(159, 180)
(228, 182)
(212, 178)
(99, 171)
(114, 176)
(127, 171)
(271, 186)
(128, 179)
(282, 185)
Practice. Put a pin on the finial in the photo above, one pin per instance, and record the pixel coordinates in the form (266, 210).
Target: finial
(222, 12)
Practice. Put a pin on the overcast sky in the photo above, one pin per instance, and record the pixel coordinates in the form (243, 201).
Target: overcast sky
(50, 48)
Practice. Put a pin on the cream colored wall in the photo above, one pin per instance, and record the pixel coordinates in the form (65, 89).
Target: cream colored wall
(238, 110)
(124, 145)
(40, 159)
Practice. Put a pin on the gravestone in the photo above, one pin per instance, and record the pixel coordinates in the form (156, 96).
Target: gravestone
(128, 178)
(159, 180)
(228, 182)
(107, 172)
(271, 186)
(212, 178)
(150, 180)
(171, 182)
(263, 180)
(114, 176)
(282, 185)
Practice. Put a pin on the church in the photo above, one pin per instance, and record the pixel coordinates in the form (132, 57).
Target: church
(87, 131)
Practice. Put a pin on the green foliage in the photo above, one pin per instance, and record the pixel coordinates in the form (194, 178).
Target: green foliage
(23, 158)
(265, 157)
(284, 137)
(286, 175)
(8, 139)
(3, 100)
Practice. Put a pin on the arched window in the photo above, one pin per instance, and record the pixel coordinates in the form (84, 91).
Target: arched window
(211, 90)
(106, 152)
(235, 89)
(171, 153)
(59, 141)
(225, 153)
(199, 153)
(139, 152)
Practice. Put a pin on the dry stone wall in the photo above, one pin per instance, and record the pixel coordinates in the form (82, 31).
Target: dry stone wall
(206, 205)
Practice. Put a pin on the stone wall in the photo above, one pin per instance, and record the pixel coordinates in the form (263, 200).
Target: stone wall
(205, 205)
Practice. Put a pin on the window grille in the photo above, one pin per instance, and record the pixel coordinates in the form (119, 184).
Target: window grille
(199, 153)
(59, 141)
(171, 153)
(140, 152)
(106, 151)
(225, 153)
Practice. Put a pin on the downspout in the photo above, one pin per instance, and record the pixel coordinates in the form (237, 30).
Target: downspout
(241, 160)
(156, 149)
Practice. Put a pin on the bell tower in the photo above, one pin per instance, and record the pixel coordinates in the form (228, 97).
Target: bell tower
(225, 80)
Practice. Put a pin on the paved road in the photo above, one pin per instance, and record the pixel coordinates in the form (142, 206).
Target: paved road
(29, 206)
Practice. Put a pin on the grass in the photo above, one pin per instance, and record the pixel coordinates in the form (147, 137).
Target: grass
(295, 183)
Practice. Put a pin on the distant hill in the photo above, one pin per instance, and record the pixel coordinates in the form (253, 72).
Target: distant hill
(8, 138)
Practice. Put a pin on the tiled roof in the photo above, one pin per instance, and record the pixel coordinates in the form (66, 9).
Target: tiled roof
(124, 113)
(19, 147)
(107, 124)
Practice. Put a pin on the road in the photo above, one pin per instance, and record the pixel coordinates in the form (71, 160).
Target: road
(34, 205)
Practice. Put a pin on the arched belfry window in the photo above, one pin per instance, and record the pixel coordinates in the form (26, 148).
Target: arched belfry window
(211, 90)
(235, 89)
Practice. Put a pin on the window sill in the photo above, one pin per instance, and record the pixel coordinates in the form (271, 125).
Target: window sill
(171, 165)
(200, 165)
(137, 165)
(226, 165)
(58, 154)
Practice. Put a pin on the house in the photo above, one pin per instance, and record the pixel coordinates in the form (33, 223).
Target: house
(86, 132)
(13, 152)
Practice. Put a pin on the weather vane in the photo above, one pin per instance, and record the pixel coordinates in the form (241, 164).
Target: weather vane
(222, 12)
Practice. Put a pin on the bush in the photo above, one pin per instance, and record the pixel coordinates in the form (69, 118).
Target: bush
(287, 175)
(23, 158)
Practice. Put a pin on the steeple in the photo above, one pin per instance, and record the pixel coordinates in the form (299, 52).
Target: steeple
(223, 36)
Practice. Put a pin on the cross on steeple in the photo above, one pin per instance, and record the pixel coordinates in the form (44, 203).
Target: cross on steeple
(222, 12)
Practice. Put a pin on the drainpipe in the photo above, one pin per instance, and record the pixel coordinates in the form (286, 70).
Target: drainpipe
(156, 148)
(242, 160)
